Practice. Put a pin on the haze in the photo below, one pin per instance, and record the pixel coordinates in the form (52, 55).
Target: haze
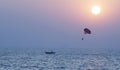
(59, 23)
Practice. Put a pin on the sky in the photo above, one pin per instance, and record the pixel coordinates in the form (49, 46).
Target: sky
(59, 24)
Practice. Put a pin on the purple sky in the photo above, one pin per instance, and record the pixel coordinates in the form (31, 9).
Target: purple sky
(59, 23)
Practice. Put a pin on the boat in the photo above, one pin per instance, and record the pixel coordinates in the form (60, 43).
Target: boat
(50, 52)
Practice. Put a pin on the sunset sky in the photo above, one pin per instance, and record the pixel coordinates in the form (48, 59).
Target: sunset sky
(59, 23)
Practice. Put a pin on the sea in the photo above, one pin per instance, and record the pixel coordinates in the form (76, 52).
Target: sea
(69, 59)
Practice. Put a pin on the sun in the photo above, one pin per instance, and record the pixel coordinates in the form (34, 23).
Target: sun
(96, 10)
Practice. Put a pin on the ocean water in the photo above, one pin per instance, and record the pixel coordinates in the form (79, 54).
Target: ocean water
(67, 60)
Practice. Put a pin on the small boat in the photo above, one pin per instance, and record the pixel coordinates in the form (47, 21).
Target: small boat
(50, 52)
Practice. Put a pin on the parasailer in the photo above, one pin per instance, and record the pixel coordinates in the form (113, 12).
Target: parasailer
(86, 31)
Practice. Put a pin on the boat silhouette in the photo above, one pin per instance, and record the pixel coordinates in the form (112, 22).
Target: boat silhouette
(51, 52)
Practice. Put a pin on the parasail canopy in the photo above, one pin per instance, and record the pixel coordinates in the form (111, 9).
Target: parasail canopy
(87, 31)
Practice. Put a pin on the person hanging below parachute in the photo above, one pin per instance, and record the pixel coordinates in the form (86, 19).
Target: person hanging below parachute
(86, 31)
